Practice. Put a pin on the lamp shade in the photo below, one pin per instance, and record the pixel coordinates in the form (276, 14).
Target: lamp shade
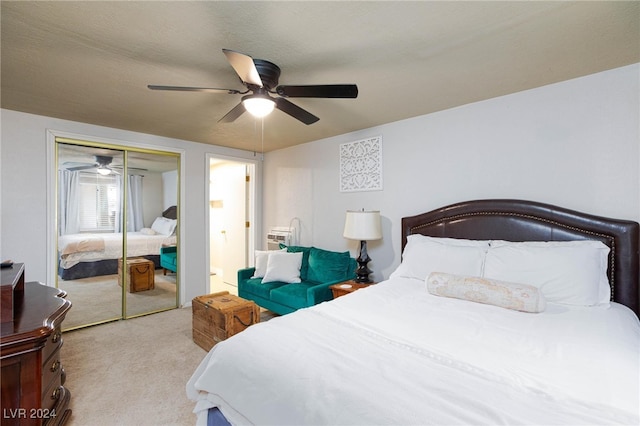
(362, 225)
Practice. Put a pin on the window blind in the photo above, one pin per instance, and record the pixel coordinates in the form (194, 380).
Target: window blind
(98, 202)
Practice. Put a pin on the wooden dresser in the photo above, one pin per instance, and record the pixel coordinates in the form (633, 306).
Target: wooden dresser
(33, 391)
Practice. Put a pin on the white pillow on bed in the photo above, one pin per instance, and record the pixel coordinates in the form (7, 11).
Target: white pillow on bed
(419, 238)
(424, 255)
(164, 226)
(571, 272)
(284, 267)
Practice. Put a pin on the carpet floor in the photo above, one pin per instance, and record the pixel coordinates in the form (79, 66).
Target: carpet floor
(99, 299)
(133, 372)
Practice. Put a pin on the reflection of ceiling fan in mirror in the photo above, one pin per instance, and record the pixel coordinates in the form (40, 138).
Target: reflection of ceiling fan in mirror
(102, 165)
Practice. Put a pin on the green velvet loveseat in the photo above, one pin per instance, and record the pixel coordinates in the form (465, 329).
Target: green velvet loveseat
(169, 259)
(319, 270)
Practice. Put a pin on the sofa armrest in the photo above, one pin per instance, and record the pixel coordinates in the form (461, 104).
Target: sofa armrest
(245, 274)
(321, 292)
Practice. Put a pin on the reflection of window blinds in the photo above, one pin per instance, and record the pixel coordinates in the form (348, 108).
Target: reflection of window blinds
(98, 202)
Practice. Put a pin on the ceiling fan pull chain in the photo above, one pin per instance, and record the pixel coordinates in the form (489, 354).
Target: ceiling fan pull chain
(262, 138)
(255, 140)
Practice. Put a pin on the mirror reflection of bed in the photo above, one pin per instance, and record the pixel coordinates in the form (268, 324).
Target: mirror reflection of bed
(92, 224)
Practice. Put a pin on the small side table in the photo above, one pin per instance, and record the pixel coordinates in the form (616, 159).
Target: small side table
(346, 287)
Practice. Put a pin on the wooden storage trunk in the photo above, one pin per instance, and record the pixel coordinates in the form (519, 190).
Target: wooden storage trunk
(140, 274)
(218, 316)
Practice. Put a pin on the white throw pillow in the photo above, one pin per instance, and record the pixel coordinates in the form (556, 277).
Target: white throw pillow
(284, 267)
(261, 259)
(572, 272)
(424, 255)
(518, 297)
(148, 231)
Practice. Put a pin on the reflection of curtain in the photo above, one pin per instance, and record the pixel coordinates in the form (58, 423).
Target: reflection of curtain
(135, 219)
(68, 202)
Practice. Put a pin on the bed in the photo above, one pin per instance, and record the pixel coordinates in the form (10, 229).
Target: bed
(396, 353)
(93, 254)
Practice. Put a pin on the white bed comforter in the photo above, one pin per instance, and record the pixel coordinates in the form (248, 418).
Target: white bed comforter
(394, 354)
(76, 248)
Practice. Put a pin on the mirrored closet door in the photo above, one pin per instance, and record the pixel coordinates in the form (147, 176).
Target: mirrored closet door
(117, 245)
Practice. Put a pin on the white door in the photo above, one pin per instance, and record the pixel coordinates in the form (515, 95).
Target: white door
(230, 185)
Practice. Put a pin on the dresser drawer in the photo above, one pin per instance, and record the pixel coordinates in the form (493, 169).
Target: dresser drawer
(53, 343)
(51, 371)
(52, 394)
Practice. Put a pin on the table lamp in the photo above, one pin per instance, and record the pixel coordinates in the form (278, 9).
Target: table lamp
(363, 226)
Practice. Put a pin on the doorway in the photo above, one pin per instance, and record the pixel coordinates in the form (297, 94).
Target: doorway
(231, 221)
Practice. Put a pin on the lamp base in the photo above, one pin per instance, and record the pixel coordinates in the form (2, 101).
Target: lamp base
(362, 273)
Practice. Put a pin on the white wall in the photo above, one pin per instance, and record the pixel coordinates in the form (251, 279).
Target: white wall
(151, 197)
(170, 189)
(574, 144)
(24, 194)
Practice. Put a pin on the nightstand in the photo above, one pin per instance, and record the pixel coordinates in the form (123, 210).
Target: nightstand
(346, 287)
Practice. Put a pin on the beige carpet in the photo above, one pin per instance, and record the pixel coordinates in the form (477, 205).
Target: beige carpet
(99, 299)
(133, 372)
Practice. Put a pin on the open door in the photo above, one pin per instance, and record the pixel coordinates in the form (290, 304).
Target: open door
(229, 222)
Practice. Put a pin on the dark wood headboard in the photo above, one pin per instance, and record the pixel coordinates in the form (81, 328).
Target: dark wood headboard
(171, 212)
(518, 220)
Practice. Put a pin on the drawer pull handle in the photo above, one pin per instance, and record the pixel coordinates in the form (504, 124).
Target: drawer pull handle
(55, 366)
(56, 337)
(55, 394)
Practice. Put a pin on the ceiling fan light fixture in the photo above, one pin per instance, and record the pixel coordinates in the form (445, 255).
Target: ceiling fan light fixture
(103, 171)
(258, 106)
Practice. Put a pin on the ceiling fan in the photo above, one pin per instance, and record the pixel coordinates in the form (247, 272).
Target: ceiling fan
(260, 77)
(102, 165)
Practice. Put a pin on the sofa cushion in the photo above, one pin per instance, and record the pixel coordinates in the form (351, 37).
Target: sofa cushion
(257, 287)
(293, 295)
(304, 268)
(326, 266)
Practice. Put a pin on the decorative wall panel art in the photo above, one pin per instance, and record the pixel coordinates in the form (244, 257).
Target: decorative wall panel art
(361, 165)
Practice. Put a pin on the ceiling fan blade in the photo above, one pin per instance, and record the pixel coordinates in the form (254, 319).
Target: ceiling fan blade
(232, 115)
(244, 67)
(68, 164)
(195, 89)
(319, 91)
(128, 168)
(295, 111)
(85, 167)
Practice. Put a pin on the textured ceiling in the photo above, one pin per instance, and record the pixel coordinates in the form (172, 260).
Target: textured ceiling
(91, 61)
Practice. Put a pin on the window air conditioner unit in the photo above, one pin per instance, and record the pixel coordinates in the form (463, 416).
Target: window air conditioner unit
(275, 237)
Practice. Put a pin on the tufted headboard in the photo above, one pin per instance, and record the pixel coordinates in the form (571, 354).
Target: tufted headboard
(518, 220)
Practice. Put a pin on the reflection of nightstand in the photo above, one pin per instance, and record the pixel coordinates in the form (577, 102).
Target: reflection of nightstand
(346, 287)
